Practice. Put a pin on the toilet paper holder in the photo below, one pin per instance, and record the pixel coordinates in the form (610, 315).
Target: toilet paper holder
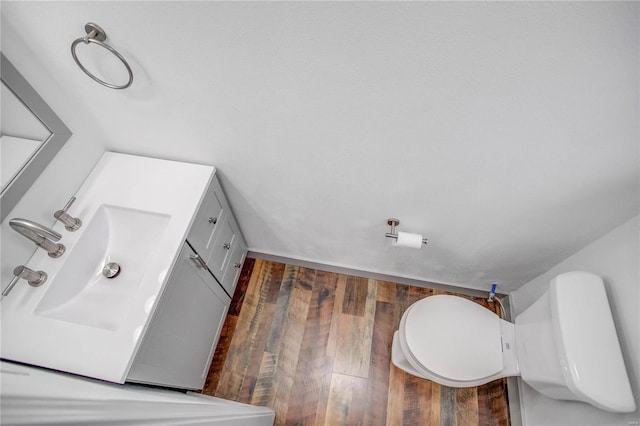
(393, 222)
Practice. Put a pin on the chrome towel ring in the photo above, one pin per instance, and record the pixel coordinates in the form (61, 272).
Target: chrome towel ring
(96, 35)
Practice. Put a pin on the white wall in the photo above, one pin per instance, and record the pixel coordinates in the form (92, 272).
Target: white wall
(503, 131)
(616, 258)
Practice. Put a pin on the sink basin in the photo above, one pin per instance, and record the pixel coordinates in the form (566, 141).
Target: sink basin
(136, 212)
(79, 292)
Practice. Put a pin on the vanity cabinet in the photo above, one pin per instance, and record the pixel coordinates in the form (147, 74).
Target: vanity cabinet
(178, 347)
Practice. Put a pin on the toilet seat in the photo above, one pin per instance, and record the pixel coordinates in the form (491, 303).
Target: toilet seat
(452, 338)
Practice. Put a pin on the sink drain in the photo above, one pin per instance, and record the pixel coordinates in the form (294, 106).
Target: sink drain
(111, 270)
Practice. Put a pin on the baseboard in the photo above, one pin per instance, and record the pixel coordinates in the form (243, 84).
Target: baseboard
(368, 274)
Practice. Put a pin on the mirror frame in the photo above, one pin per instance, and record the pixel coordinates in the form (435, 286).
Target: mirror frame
(60, 133)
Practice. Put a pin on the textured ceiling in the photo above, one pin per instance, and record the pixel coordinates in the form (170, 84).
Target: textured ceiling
(506, 133)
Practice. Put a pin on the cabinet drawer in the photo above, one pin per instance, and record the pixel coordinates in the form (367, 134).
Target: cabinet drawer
(207, 222)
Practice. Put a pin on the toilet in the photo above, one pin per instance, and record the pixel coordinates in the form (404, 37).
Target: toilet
(564, 345)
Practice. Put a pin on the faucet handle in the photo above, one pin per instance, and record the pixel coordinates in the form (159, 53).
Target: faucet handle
(34, 278)
(70, 223)
(11, 285)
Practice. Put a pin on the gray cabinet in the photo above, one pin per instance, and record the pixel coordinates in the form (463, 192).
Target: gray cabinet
(178, 347)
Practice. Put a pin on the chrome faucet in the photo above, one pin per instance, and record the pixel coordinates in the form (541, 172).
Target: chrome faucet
(41, 235)
(34, 278)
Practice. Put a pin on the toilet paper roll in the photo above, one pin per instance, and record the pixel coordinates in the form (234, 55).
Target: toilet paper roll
(407, 239)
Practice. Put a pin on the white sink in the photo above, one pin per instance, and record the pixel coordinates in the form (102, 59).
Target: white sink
(135, 212)
(80, 293)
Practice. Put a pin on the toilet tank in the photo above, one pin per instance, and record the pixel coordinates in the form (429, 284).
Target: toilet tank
(568, 347)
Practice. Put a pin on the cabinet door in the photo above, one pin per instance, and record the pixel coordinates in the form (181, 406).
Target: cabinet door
(233, 269)
(178, 346)
(227, 238)
(207, 222)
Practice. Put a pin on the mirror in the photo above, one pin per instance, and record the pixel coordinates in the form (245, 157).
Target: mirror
(21, 135)
(31, 135)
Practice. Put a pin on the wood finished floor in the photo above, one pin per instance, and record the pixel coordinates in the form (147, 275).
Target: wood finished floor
(316, 347)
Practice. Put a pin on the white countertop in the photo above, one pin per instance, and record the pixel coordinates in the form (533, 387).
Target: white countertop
(167, 189)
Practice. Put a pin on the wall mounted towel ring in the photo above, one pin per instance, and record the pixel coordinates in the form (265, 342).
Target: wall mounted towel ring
(96, 35)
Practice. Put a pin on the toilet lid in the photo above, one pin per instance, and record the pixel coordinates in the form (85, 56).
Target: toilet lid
(453, 337)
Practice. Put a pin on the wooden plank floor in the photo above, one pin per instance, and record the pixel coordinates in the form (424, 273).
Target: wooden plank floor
(316, 347)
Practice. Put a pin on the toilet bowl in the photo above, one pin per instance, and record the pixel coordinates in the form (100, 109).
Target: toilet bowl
(469, 346)
(456, 342)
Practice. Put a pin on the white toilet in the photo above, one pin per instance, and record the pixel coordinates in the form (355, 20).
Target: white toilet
(564, 345)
